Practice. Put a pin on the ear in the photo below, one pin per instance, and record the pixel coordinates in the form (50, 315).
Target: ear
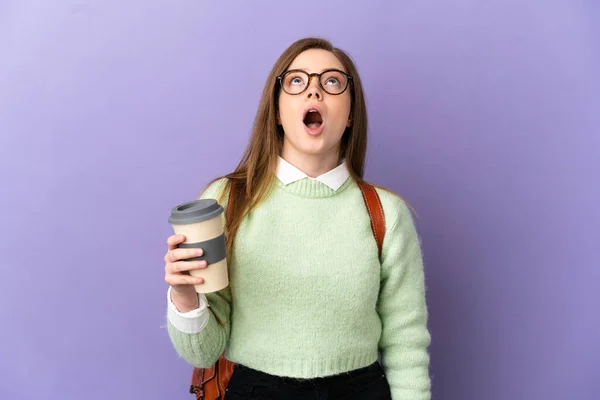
(349, 123)
(278, 119)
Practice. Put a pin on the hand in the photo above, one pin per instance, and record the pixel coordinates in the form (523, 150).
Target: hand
(177, 274)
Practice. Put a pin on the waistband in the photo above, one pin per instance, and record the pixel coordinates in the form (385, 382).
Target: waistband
(268, 378)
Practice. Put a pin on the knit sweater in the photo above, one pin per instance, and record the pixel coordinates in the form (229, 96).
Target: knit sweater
(310, 295)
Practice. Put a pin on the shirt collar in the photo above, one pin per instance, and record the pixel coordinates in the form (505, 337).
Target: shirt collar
(334, 178)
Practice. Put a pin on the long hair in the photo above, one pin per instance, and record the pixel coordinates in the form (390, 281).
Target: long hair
(254, 174)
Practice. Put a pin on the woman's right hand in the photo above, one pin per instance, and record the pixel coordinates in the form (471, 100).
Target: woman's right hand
(183, 293)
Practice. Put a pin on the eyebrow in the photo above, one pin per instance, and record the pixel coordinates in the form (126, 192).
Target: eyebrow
(325, 69)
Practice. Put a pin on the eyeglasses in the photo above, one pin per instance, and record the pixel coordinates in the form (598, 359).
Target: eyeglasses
(296, 81)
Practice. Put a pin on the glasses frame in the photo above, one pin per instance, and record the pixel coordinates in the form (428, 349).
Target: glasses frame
(310, 76)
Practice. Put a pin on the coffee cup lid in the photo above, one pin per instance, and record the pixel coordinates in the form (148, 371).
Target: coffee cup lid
(195, 211)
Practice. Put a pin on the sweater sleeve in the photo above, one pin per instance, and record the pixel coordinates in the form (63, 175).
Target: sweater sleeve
(203, 349)
(402, 308)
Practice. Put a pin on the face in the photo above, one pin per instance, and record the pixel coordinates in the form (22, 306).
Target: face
(314, 121)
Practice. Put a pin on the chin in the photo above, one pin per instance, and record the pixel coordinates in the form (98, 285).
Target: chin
(315, 149)
(311, 150)
(307, 144)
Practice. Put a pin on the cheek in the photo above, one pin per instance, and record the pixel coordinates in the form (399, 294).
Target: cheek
(343, 111)
(348, 103)
(286, 111)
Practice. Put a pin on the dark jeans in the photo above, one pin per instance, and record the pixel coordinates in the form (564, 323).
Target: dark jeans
(364, 383)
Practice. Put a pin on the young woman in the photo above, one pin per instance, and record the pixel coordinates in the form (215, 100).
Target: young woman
(310, 303)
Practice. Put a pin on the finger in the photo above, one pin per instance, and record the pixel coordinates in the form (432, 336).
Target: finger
(174, 240)
(184, 254)
(183, 266)
(178, 279)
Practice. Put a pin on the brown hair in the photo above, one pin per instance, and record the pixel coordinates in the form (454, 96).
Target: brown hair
(254, 174)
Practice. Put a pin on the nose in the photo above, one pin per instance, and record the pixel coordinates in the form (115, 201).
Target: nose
(314, 90)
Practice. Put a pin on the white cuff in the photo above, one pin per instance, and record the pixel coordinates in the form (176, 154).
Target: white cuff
(190, 322)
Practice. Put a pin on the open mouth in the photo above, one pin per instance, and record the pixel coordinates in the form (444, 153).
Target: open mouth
(313, 119)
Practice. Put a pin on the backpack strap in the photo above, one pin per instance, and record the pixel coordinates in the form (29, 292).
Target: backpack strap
(210, 383)
(375, 209)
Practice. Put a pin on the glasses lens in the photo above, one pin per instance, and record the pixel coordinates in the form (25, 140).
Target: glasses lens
(334, 82)
(294, 82)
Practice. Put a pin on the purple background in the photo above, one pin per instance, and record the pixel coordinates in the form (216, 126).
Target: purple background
(484, 115)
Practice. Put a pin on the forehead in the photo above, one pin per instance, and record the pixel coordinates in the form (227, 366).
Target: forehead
(316, 60)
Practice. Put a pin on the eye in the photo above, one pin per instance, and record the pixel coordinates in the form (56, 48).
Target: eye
(334, 80)
(295, 79)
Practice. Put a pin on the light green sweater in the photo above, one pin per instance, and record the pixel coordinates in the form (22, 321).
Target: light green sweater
(310, 297)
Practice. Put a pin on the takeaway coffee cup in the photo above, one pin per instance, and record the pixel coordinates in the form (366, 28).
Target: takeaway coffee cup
(202, 222)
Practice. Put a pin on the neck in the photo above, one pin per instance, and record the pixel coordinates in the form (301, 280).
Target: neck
(312, 165)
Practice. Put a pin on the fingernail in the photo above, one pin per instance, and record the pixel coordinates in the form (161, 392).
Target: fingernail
(199, 252)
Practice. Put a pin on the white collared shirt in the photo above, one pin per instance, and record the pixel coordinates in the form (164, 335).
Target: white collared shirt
(195, 321)
(334, 178)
